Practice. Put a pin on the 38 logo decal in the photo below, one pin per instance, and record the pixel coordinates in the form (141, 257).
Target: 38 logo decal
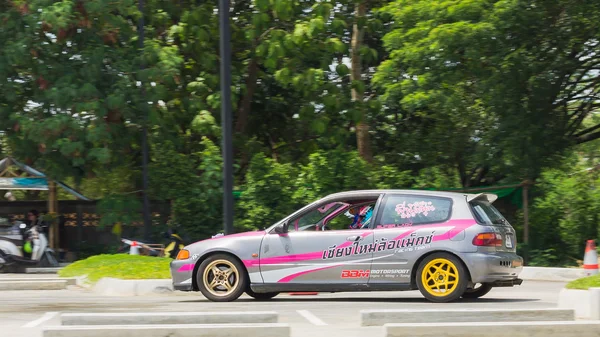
(355, 273)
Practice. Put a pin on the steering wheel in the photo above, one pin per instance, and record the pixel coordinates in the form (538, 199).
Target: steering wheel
(321, 228)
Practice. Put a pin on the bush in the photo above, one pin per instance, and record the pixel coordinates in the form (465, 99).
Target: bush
(585, 283)
(564, 215)
(194, 187)
(121, 266)
(274, 190)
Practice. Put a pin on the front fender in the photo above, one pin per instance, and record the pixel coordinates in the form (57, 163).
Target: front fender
(10, 248)
(209, 253)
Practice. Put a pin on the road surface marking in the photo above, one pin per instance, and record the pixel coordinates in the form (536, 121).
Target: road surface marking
(46, 317)
(310, 317)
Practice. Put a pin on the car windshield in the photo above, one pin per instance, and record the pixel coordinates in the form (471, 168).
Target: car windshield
(486, 213)
(317, 215)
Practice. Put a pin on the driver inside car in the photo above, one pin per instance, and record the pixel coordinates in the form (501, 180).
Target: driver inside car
(361, 216)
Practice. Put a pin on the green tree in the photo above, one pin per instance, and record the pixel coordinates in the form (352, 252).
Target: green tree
(499, 88)
(318, 53)
(269, 193)
(565, 213)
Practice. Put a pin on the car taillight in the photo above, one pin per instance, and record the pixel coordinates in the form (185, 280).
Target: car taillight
(488, 239)
(183, 255)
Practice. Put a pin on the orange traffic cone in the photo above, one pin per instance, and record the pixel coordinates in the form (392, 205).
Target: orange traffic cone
(134, 249)
(590, 258)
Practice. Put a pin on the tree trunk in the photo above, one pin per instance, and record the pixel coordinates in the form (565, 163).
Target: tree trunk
(362, 128)
(244, 108)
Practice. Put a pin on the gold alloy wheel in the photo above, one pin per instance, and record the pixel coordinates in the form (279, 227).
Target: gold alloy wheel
(440, 277)
(221, 277)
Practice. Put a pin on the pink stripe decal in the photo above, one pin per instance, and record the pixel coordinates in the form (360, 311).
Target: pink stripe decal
(186, 268)
(452, 233)
(293, 276)
(284, 259)
(348, 243)
(459, 225)
(296, 257)
(237, 235)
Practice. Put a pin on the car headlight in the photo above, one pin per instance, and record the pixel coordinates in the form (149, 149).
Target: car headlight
(183, 255)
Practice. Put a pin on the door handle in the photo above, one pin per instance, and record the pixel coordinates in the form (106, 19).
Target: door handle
(354, 238)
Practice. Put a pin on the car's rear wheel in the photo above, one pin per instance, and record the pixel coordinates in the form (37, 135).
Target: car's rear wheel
(222, 278)
(261, 296)
(441, 277)
(480, 291)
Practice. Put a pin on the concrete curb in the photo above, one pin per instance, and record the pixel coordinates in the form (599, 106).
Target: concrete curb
(494, 329)
(551, 274)
(191, 330)
(70, 281)
(585, 303)
(382, 317)
(42, 270)
(168, 318)
(117, 287)
(33, 285)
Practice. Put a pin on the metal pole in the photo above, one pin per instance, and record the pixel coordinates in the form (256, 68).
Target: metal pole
(146, 202)
(526, 221)
(226, 118)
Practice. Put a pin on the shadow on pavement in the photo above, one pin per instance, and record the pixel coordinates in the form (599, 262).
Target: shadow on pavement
(366, 300)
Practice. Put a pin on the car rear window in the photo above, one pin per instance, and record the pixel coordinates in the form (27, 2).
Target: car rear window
(412, 210)
(486, 213)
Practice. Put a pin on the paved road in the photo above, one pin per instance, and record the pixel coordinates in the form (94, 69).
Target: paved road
(24, 313)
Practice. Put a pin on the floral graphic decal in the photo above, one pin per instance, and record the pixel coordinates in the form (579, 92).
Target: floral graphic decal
(411, 210)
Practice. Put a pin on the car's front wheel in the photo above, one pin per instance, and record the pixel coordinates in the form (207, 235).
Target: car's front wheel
(478, 292)
(222, 278)
(441, 277)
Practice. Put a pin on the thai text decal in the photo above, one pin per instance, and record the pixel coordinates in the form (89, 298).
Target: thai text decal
(377, 246)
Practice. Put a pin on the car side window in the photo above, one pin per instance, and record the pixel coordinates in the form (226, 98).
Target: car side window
(413, 210)
(309, 221)
(339, 215)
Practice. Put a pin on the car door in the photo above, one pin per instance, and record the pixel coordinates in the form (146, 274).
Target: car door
(317, 256)
(405, 225)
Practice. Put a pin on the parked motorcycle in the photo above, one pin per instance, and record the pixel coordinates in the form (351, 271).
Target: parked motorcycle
(13, 250)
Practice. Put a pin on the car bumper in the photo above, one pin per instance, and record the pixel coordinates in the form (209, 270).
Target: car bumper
(500, 269)
(182, 272)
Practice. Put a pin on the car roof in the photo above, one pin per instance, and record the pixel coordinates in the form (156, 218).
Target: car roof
(368, 193)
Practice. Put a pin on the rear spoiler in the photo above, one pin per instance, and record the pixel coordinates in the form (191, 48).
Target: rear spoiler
(489, 197)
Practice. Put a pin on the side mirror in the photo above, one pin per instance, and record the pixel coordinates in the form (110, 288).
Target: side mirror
(282, 229)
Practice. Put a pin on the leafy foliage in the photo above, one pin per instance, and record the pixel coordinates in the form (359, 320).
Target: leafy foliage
(327, 96)
(121, 266)
(565, 215)
(507, 77)
(584, 283)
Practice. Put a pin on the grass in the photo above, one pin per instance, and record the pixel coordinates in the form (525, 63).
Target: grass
(585, 282)
(121, 266)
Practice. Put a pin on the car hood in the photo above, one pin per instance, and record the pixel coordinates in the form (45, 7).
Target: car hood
(224, 241)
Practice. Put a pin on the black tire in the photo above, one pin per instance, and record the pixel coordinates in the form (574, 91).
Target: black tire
(482, 290)
(261, 296)
(4, 257)
(48, 260)
(6, 266)
(44, 263)
(456, 265)
(239, 277)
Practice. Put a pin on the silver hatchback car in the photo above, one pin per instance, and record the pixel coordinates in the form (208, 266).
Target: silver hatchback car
(446, 245)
